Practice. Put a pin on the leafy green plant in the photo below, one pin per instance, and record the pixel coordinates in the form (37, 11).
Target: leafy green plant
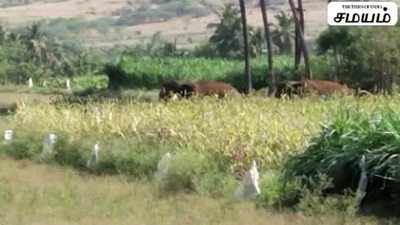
(191, 171)
(227, 39)
(28, 147)
(283, 33)
(278, 192)
(338, 149)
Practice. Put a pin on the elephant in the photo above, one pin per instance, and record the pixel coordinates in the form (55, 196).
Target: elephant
(319, 87)
(185, 89)
(171, 89)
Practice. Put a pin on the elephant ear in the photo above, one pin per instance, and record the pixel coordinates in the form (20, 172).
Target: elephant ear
(187, 89)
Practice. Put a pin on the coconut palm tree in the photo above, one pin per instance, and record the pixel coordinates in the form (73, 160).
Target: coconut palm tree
(298, 49)
(246, 46)
(272, 89)
(308, 74)
(283, 34)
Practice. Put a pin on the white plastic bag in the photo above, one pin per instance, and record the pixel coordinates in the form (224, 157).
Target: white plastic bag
(249, 187)
(363, 182)
(8, 136)
(163, 166)
(68, 84)
(30, 83)
(48, 146)
(94, 158)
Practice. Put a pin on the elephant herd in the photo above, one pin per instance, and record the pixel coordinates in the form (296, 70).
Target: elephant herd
(185, 89)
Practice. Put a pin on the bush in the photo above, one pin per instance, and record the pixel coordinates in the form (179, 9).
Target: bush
(137, 159)
(337, 150)
(191, 171)
(89, 82)
(365, 58)
(28, 147)
(278, 192)
(70, 153)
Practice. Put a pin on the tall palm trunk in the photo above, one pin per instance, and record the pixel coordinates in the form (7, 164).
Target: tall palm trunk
(308, 74)
(272, 88)
(298, 48)
(246, 47)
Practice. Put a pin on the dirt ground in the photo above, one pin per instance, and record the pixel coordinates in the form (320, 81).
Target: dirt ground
(185, 30)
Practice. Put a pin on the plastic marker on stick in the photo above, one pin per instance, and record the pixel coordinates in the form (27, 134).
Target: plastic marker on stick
(249, 188)
(8, 136)
(94, 158)
(30, 82)
(48, 146)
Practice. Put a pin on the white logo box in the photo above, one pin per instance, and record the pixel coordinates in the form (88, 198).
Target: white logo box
(362, 13)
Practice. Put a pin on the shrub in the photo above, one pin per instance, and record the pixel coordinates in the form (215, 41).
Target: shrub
(70, 153)
(138, 159)
(89, 82)
(337, 150)
(278, 192)
(362, 57)
(28, 147)
(191, 171)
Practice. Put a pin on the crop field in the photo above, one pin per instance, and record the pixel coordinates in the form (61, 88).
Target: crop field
(150, 72)
(90, 139)
(260, 128)
(214, 141)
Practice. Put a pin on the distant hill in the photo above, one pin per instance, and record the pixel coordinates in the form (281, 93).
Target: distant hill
(106, 23)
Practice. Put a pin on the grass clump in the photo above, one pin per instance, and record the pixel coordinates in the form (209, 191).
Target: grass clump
(277, 192)
(190, 171)
(115, 157)
(352, 134)
(337, 150)
(28, 147)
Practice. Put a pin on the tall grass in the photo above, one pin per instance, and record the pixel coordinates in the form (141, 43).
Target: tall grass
(237, 128)
(354, 133)
(214, 139)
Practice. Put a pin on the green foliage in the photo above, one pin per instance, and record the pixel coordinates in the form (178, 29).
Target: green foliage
(363, 57)
(314, 202)
(227, 40)
(150, 72)
(205, 174)
(192, 171)
(282, 34)
(89, 82)
(32, 53)
(278, 192)
(69, 153)
(27, 148)
(351, 135)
